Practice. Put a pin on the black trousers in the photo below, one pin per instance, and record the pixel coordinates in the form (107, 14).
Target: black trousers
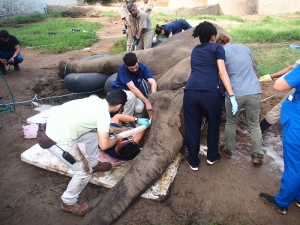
(195, 104)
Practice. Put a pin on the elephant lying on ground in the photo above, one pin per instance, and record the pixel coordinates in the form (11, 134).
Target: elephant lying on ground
(170, 65)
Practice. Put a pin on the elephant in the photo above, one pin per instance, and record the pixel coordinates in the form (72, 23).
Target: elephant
(169, 63)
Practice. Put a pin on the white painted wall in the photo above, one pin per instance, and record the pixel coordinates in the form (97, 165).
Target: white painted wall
(11, 8)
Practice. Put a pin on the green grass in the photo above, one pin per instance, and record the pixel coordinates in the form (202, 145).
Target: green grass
(119, 46)
(274, 57)
(54, 36)
(170, 17)
(267, 29)
(111, 14)
(32, 18)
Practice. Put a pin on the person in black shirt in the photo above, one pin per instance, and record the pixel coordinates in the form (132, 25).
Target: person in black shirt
(10, 49)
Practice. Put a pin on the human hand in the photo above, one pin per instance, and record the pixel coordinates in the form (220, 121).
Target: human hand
(234, 105)
(149, 108)
(144, 121)
(134, 38)
(154, 40)
(265, 78)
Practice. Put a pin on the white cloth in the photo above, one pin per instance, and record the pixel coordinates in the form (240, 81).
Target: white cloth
(133, 104)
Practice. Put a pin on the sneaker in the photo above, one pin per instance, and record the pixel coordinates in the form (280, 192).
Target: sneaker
(16, 67)
(257, 160)
(78, 209)
(213, 162)
(225, 153)
(102, 167)
(297, 203)
(270, 201)
(192, 168)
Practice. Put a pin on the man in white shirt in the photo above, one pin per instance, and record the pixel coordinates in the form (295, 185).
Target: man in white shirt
(72, 123)
(147, 7)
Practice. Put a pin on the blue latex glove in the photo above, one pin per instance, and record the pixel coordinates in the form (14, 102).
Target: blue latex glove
(144, 121)
(234, 104)
(137, 42)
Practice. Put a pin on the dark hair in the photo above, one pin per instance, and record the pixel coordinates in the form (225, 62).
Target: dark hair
(129, 150)
(158, 29)
(4, 34)
(116, 97)
(130, 5)
(130, 59)
(204, 31)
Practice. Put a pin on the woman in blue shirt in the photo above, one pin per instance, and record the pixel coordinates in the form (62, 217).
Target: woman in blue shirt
(290, 119)
(202, 95)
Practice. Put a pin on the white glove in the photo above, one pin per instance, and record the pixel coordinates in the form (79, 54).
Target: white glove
(154, 40)
(265, 78)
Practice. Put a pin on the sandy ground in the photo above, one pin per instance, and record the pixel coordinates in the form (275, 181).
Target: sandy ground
(226, 192)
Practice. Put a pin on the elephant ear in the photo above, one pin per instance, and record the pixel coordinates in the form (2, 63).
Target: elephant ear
(176, 77)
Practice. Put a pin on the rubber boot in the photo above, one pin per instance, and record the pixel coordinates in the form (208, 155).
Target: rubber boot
(264, 125)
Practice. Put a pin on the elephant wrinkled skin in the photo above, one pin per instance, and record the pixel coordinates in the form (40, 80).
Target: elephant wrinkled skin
(170, 65)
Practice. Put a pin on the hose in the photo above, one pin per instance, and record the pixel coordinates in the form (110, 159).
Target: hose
(4, 108)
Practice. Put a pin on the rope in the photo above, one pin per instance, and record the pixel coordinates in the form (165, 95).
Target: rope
(35, 98)
(271, 96)
(266, 98)
(65, 71)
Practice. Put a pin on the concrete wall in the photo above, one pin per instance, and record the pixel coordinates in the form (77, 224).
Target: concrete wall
(272, 7)
(268, 7)
(12, 8)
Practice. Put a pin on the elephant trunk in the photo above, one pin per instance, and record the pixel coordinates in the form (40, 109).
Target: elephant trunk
(160, 149)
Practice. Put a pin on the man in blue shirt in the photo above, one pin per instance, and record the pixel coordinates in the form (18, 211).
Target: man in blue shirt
(175, 27)
(130, 76)
(10, 49)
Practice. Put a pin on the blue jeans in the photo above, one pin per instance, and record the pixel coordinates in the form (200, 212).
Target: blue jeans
(252, 108)
(8, 55)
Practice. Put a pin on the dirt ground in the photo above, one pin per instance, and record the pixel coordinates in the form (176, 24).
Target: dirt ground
(226, 192)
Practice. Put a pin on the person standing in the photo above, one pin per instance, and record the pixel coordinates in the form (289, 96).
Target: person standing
(239, 66)
(125, 18)
(141, 27)
(147, 7)
(130, 76)
(202, 95)
(73, 123)
(274, 114)
(10, 49)
(290, 120)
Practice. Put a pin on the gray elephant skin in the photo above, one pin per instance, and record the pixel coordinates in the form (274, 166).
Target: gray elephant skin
(170, 65)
